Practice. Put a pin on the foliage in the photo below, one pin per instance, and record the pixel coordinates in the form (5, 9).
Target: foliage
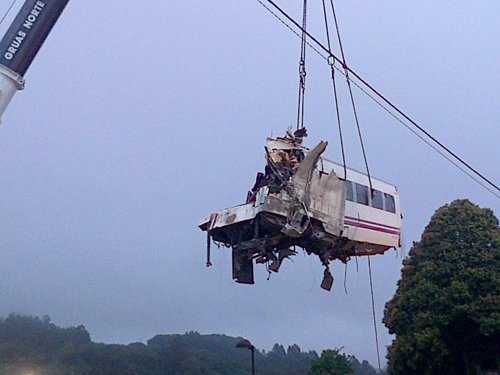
(331, 362)
(29, 344)
(35, 341)
(32, 345)
(446, 310)
(362, 368)
(195, 354)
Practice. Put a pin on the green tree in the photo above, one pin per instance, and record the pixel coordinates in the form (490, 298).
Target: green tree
(331, 362)
(446, 310)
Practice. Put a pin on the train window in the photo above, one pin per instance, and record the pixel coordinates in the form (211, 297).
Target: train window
(362, 194)
(377, 199)
(389, 203)
(349, 193)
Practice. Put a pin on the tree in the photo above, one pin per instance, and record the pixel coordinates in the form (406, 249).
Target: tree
(277, 351)
(446, 309)
(331, 362)
(363, 368)
(293, 350)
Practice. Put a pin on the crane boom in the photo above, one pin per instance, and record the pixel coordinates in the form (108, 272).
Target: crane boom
(22, 41)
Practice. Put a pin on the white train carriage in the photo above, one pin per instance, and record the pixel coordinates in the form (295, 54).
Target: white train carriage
(301, 201)
(373, 218)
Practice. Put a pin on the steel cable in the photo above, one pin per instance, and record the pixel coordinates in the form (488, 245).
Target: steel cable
(373, 311)
(302, 70)
(331, 62)
(356, 118)
(458, 160)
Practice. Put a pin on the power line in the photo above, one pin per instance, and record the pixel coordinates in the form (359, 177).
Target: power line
(7, 12)
(351, 95)
(461, 164)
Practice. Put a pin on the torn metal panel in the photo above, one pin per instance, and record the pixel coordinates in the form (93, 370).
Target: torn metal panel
(242, 267)
(323, 195)
(302, 178)
(327, 196)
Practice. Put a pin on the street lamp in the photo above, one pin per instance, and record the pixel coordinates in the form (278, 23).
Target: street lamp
(243, 343)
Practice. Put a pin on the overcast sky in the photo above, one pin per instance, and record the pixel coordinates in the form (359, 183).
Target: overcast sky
(141, 117)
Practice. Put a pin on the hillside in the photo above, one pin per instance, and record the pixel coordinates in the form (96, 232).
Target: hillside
(30, 345)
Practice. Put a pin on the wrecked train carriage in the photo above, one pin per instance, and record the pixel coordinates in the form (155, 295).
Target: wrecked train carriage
(301, 201)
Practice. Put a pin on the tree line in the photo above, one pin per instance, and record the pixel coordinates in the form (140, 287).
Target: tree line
(36, 344)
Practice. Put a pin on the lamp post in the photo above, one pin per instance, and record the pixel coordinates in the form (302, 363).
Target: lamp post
(248, 345)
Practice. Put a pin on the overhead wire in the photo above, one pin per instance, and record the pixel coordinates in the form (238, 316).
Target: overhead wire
(351, 95)
(458, 162)
(422, 138)
(8, 11)
(388, 110)
(289, 27)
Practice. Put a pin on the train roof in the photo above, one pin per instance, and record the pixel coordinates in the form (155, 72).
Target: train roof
(353, 174)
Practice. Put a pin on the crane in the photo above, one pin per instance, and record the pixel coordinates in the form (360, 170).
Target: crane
(21, 43)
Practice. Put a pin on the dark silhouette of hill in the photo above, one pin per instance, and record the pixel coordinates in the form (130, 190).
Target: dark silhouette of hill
(30, 343)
